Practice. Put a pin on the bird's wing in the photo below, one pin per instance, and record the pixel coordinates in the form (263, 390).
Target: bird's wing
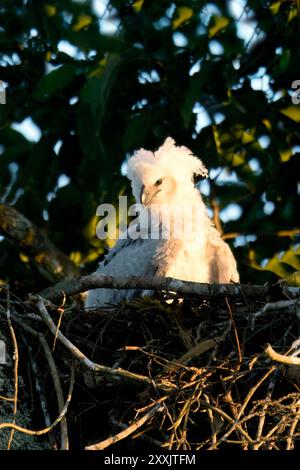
(128, 257)
(223, 267)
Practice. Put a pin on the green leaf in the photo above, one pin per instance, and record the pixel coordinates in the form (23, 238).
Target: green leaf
(293, 112)
(181, 16)
(136, 131)
(218, 24)
(138, 5)
(82, 22)
(231, 192)
(97, 89)
(287, 266)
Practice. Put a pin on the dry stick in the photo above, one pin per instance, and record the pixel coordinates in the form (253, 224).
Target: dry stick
(54, 375)
(183, 414)
(262, 418)
(228, 396)
(280, 357)
(64, 438)
(266, 438)
(228, 418)
(213, 426)
(96, 281)
(58, 419)
(197, 350)
(140, 435)
(16, 365)
(6, 398)
(280, 233)
(248, 398)
(61, 312)
(235, 331)
(295, 346)
(290, 439)
(87, 362)
(40, 389)
(281, 304)
(130, 430)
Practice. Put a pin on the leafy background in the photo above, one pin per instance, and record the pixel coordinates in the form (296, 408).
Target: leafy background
(88, 82)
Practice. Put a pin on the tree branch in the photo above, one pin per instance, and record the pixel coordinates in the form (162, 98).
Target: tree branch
(291, 360)
(111, 372)
(50, 261)
(126, 432)
(94, 281)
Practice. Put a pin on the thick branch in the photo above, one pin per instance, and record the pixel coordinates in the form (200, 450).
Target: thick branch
(126, 432)
(95, 281)
(280, 357)
(51, 262)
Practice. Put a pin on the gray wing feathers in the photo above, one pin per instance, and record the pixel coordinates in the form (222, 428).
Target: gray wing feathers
(127, 258)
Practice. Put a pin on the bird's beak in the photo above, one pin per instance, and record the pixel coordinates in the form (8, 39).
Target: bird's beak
(143, 195)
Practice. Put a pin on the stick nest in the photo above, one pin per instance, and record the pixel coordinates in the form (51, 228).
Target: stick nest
(211, 383)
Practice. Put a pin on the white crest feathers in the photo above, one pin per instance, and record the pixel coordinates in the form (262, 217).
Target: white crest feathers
(176, 160)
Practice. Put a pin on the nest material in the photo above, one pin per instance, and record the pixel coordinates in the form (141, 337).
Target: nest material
(212, 386)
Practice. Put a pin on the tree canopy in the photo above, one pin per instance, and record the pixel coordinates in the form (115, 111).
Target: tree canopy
(97, 80)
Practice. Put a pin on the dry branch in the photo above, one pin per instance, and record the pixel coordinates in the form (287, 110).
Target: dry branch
(94, 281)
(126, 432)
(291, 360)
(53, 372)
(16, 365)
(227, 395)
(50, 261)
(118, 372)
(62, 414)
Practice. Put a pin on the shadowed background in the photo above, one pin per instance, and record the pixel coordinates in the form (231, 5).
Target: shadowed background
(88, 82)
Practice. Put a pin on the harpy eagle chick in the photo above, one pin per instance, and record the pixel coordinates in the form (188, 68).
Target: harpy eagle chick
(173, 236)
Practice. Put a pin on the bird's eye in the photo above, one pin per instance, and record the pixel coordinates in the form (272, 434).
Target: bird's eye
(158, 182)
(196, 178)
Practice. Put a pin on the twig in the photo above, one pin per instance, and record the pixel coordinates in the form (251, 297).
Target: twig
(90, 364)
(280, 357)
(54, 375)
(40, 391)
(246, 401)
(58, 419)
(197, 350)
(130, 430)
(213, 426)
(139, 435)
(64, 439)
(290, 439)
(281, 304)
(235, 331)
(16, 365)
(279, 233)
(262, 418)
(96, 281)
(230, 420)
(61, 312)
(6, 398)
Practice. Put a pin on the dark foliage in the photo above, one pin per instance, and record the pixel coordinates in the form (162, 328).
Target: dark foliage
(96, 97)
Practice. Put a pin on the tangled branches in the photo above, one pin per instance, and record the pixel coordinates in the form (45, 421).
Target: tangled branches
(191, 374)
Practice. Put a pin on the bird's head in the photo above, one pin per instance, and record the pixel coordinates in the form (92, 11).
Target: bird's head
(161, 177)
